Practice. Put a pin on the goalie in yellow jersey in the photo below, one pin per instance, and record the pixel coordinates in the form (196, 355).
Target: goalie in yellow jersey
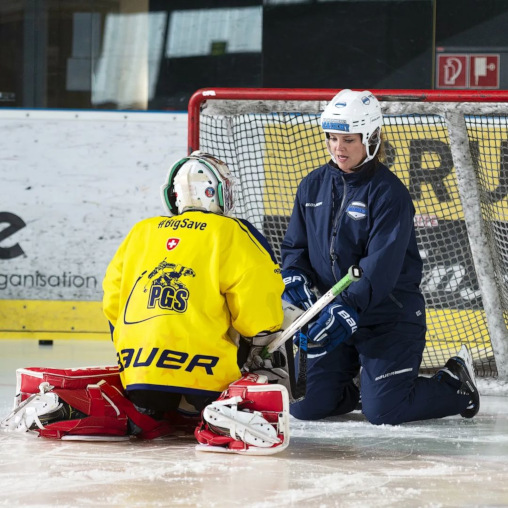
(180, 294)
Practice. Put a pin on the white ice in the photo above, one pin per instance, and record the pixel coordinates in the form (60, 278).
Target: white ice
(343, 461)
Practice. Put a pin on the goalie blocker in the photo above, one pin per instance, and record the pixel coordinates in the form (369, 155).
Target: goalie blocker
(250, 417)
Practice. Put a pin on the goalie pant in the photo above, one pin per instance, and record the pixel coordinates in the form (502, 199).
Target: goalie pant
(251, 416)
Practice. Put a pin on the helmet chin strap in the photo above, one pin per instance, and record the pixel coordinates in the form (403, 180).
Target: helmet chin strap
(367, 157)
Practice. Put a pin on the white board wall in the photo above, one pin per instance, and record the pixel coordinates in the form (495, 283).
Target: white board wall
(72, 184)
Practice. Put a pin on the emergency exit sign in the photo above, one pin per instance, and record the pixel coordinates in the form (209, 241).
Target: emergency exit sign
(462, 70)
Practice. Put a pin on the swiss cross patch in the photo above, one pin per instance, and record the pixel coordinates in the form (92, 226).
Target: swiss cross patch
(172, 243)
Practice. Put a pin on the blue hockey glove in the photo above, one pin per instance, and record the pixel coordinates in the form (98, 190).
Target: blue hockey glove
(335, 324)
(298, 289)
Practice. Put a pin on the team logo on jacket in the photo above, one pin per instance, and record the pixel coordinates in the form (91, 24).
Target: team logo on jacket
(172, 243)
(158, 293)
(357, 210)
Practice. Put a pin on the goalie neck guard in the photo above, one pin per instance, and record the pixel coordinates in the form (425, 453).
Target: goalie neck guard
(352, 112)
(198, 182)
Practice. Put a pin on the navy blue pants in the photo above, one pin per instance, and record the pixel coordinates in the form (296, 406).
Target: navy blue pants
(392, 392)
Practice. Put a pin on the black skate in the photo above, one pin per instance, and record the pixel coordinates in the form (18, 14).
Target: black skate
(461, 366)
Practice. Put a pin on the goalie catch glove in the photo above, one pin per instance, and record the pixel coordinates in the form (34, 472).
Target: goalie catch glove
(335, 324)
(277, 366)
(298, 289)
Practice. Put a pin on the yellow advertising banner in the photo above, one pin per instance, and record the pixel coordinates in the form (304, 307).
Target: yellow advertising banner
(418, 153)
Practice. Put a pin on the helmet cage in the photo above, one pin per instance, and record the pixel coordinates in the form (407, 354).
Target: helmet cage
(219, 170)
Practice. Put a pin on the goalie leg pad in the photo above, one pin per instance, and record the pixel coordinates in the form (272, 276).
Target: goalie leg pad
(58, 413)
(249, 427)
(250, 417)
(28, 379)
(78, 404)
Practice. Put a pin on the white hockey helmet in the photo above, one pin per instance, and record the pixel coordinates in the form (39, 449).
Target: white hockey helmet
(198, 182)
(355, 113)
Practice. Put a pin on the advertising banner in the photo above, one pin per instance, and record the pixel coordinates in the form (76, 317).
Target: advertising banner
(72, 184)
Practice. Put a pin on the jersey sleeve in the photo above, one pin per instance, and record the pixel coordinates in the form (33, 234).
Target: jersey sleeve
(253, 286)
(111, 284)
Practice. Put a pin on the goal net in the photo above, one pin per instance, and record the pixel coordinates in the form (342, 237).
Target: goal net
(451, 151)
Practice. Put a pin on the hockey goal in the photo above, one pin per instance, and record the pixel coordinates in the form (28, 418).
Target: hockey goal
(451, 151)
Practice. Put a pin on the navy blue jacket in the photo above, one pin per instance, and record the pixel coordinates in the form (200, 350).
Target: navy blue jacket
(364, 218)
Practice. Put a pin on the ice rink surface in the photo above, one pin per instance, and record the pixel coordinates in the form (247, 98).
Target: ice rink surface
(344, 461)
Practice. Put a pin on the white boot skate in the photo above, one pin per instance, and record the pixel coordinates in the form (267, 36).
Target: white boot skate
(38, 409)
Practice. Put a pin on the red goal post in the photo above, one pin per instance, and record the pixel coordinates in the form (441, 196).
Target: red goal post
(450, 148)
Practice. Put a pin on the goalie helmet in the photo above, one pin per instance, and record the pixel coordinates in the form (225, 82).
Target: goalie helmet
(352, 112)
(198, 182)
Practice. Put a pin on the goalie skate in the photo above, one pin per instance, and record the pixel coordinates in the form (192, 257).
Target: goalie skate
(251, 417)
(34, 412)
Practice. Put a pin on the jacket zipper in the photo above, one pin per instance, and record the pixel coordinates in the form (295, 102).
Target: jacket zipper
(333, 256)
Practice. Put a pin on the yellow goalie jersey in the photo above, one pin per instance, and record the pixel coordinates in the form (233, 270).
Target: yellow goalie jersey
(174, 288)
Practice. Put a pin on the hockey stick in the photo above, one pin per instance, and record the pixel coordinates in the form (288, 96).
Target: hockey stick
(353, 274)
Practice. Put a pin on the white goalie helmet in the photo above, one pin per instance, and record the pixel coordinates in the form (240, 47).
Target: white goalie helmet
(198, 182)
(352, 112)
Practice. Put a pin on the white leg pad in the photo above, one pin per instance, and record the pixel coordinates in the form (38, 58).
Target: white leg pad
(248, 418)
(246, 426)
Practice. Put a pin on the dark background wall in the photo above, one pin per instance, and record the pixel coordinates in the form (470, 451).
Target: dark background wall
(49, 50)
(348, 44)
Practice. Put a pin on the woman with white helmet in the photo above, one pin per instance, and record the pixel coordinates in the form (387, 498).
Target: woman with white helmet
(354, 211)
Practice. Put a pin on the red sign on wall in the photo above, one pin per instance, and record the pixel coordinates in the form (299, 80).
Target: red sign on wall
(467, 71)
(484, 71)
(452, 71)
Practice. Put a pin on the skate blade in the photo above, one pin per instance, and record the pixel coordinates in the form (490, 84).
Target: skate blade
(251, 451)
(95, 438)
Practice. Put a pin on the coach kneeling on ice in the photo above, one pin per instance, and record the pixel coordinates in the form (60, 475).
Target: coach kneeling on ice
(179, 293)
